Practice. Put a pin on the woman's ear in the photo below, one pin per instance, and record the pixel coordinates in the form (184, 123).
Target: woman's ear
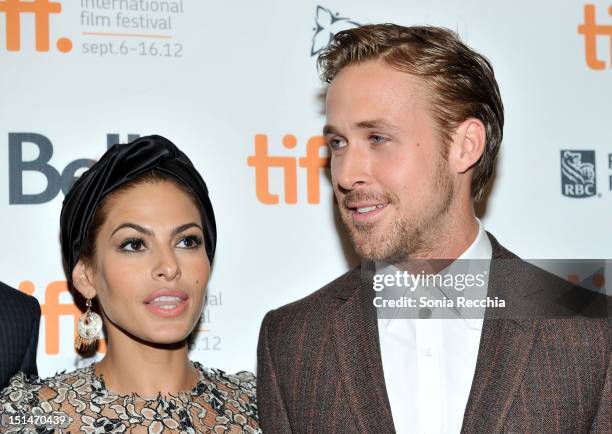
(82, 279)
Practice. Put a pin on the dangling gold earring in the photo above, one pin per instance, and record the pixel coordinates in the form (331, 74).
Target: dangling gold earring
(89, 328)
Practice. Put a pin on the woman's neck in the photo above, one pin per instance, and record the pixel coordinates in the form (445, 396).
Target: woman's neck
(131, 366)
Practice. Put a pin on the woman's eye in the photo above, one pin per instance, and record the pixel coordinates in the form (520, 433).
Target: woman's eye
(190, 242)
(132, 245)
(336, 143)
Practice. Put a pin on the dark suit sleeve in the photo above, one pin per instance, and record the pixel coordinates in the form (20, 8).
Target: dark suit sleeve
(272, 412)
(19, 320)
(28, 364)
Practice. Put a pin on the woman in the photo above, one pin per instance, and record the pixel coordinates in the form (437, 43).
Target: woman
(138, 237)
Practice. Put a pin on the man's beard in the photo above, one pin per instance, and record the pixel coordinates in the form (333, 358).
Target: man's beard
(409, 236)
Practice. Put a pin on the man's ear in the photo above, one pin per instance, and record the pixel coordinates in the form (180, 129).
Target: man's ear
(468, 145)
(82, 279)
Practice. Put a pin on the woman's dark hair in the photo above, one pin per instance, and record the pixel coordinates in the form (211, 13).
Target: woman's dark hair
(150, 159)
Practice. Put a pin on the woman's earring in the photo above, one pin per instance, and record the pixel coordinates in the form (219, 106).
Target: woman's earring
(89, 328)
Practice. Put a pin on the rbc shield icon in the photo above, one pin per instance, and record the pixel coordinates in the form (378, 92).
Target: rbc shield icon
(578, 173)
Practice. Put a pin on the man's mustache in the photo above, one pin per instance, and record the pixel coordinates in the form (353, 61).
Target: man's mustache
(366, 196)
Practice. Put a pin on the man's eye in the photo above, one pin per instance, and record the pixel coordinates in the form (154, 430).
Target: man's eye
(190, 242)
(377, 139)
(132, 245)
(336, 143)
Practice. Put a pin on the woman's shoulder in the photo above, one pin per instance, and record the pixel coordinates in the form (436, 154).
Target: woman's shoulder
(21, 392)
(243, 381)
(25, 392)
(225, 391)
(34, 402)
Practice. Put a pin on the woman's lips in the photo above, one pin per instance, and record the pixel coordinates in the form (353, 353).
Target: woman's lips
(167, 303)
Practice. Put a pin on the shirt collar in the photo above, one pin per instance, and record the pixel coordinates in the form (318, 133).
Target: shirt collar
(481, 246)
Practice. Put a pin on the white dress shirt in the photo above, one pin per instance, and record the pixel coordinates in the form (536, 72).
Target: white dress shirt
(429, 364)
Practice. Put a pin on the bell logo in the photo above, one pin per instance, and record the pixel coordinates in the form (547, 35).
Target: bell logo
(42, 10)
(590, 29)
(312, 162)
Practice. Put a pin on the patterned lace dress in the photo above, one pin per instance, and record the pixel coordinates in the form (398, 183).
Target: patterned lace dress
(78, 402)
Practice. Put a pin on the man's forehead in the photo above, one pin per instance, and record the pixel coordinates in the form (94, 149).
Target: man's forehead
(376, 74)
(365, 124)
(366, 87)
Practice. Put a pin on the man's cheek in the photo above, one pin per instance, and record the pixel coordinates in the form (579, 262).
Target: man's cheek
(339, 196)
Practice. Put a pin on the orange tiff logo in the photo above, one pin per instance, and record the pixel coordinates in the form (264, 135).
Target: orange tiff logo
(590, 29)
(52, 310)
(42, 10)
(312, 162)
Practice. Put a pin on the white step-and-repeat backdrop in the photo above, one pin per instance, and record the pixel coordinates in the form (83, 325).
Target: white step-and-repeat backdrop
(222, 79)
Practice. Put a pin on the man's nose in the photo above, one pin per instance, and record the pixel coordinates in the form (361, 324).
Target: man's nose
(352, 168)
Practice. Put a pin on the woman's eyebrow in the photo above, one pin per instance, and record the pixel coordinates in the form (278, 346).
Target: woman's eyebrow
(133, 226)
(184, 227)
(145, 231)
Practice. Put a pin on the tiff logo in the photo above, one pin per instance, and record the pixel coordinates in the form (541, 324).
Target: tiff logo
(42, 10)
(312, 162)
(590, 29)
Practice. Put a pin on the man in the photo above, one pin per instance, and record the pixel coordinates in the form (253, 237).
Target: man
(19, 320)
(414, 122)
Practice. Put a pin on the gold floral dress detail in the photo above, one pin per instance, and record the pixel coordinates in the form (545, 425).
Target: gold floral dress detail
(79, 402)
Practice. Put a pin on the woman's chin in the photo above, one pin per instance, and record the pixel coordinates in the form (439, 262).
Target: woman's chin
(172, 338)
(168, 338)
(173, 334)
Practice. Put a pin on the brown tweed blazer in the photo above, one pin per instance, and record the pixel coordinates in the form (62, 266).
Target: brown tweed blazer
(320, 369)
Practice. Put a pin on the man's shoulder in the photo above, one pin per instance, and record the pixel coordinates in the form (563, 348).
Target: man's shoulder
(14, 301)
(543, 294)
(322, 299)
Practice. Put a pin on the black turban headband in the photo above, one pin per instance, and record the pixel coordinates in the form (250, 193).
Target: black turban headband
(118, 166)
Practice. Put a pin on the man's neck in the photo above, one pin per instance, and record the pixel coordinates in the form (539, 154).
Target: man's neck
(448, 239)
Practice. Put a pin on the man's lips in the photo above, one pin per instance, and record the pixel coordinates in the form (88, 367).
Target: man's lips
(365, 207)
(365, 212)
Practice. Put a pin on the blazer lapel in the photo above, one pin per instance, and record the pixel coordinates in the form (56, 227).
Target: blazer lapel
(357, 348)
(503, 355)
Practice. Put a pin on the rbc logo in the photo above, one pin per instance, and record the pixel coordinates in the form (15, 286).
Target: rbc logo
(578, 173)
